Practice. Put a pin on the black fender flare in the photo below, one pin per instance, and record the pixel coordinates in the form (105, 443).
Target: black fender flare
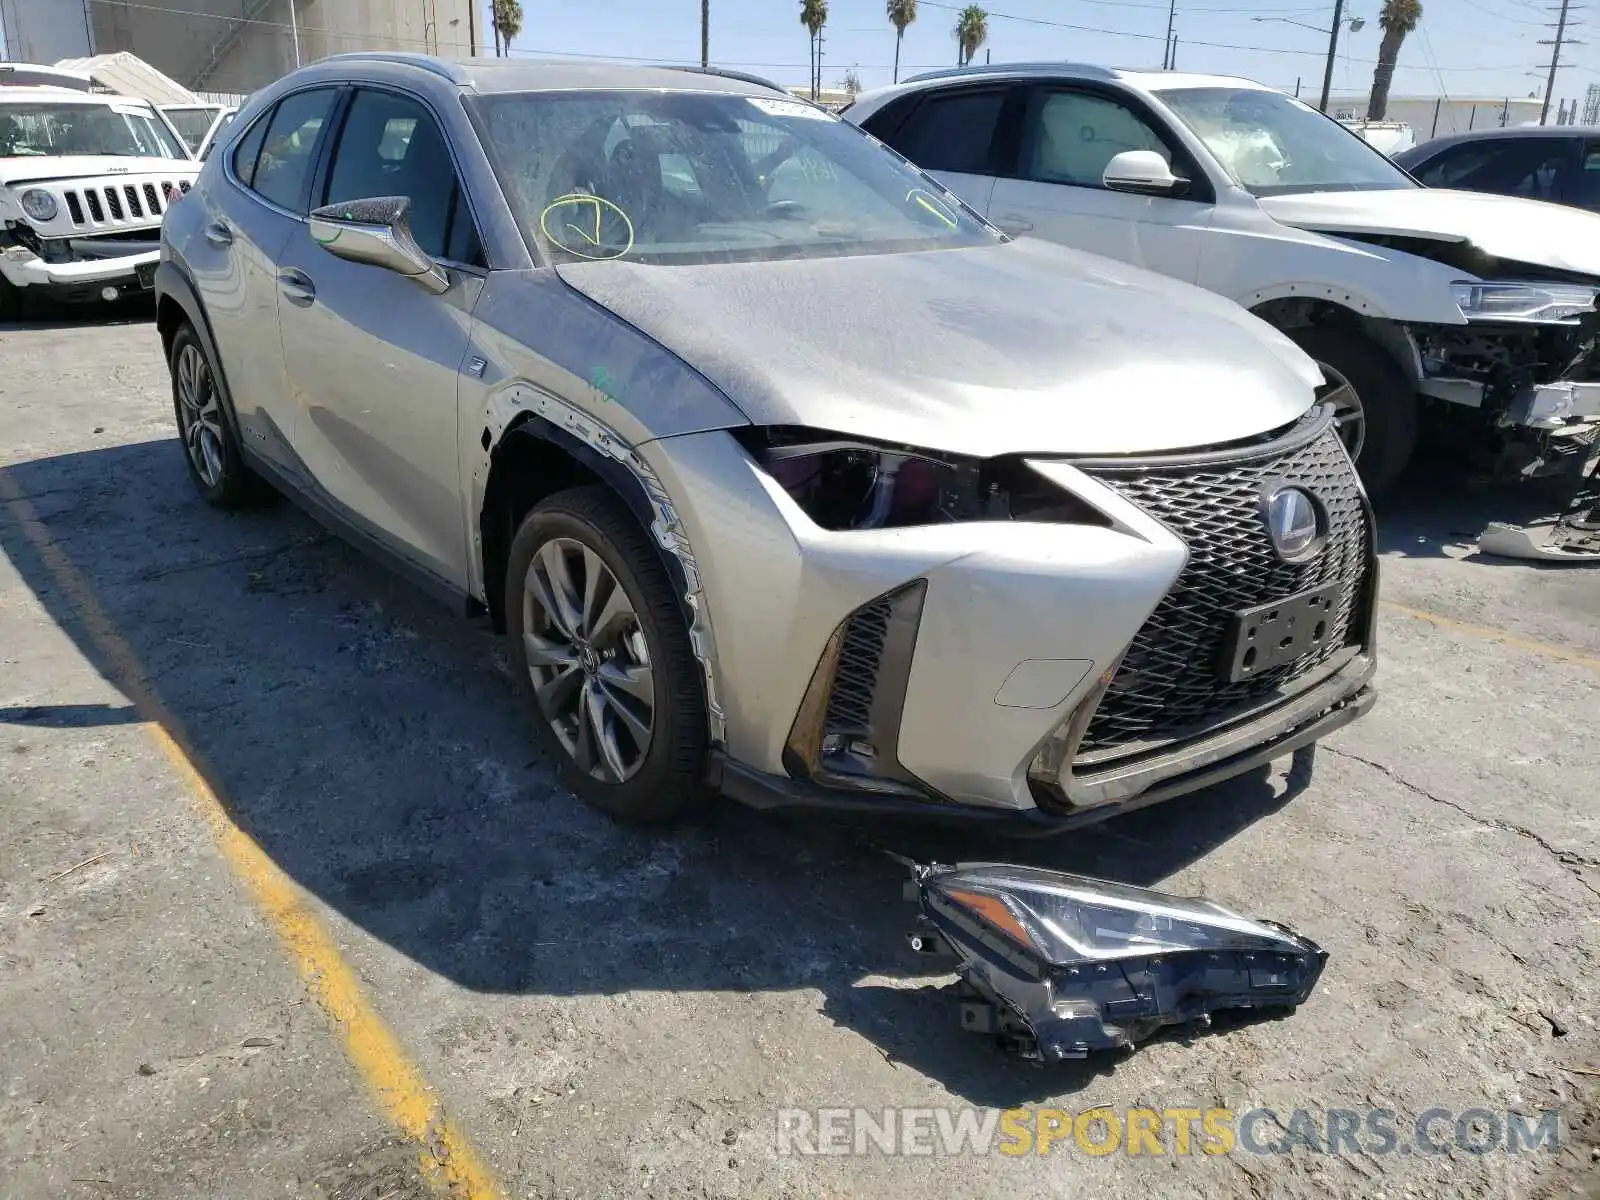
(172, 284)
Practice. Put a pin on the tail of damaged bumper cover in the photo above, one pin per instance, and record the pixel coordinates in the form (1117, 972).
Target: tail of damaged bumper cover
(1055, 966)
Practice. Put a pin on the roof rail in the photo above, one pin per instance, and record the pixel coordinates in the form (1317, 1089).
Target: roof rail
(1087, 70)
(445, 69)
(741, 76)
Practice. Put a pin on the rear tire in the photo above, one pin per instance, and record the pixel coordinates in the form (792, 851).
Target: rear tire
(599, 641)
(206, 427)
(1383, 402)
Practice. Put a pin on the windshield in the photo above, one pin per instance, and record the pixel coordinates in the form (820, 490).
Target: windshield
(192, 124)
(28, 130)
(677, 177)
(1273, 144)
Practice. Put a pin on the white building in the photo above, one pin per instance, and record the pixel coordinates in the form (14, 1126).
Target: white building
(235, 46)
(1435, 116)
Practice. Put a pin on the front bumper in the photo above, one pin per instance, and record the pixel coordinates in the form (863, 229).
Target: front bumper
(84, 279)
(963, 650)
(760, 790)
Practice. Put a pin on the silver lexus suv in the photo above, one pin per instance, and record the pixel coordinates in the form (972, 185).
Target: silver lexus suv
(777, 466)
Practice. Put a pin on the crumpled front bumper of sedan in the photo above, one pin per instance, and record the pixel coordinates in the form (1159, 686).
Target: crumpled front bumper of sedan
(982, 641)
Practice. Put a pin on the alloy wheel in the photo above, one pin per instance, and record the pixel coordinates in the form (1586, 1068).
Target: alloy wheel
(589, 660)
(200, 415)
(1349, 417)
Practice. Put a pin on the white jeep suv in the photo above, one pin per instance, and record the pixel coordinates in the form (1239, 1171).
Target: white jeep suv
(1416, 303)
(85, 179)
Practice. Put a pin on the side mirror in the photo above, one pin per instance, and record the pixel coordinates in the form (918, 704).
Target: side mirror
(1143, 172)
(377, 232)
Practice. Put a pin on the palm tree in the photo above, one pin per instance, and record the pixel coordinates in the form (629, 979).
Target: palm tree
(972, 30)
(705, 33)
(1398, 18)
(901, 14)
(507, 16)
(814, 15)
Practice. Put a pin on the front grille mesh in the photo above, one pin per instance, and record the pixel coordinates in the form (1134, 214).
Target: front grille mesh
(1168, 686)
(856, 677)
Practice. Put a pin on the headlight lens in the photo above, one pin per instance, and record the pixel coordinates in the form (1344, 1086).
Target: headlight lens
(39, 204)
(846, 483)
(1067, 919)
(1541, 303)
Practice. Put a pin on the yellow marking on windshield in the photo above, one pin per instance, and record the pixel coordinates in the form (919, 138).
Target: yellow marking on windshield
(934, 205)
(581, 218)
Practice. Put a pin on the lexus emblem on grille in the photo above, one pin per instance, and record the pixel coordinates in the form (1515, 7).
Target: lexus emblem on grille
(1295, 523)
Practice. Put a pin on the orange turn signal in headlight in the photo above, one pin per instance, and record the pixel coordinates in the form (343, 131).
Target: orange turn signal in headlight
(993, 910)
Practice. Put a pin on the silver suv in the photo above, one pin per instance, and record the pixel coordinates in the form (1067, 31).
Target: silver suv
(777, 466)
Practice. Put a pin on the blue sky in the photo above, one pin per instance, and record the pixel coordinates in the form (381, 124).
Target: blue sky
(1463, 47)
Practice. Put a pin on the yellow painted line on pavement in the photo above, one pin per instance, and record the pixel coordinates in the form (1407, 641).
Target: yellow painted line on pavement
(1494, 635)
(448, 1160)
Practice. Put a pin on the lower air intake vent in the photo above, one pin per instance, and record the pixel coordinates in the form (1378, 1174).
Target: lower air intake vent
(856, 678)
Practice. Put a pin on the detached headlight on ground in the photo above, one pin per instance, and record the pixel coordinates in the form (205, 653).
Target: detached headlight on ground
(39, 204)
(1057, 965)
(1542, 303)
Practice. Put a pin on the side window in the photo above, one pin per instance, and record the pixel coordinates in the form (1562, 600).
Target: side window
(248, 150)
(1530, 167)
(392, 146)
(284, 165)
(1069, 137)
(1586, 194)
(952, 132)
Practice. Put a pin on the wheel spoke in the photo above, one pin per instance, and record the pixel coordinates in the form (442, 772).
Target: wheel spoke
(536, 589)
(542, 653)
(638, 727)
(555, 691)
(607, 623)
(186, 380)
(605, 734)
(634, 680)
(583, 749)
(563, 603)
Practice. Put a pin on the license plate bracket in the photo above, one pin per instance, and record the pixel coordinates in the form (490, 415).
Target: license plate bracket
(145, 273)
(1270, 635)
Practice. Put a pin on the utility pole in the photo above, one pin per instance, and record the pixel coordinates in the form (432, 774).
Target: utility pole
(1333, 49)
(816, 85)
(295, 32)
(1172, 14)
(1555, 45)
(705, 33)
(1172, 54)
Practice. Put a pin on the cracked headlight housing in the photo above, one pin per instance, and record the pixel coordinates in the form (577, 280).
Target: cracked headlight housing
(39, 204)
(842, 482)
(1057, 965)
(1531, 303)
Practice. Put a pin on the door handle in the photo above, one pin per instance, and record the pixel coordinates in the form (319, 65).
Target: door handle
(219, 234)
(297, 286)
(1014, 223)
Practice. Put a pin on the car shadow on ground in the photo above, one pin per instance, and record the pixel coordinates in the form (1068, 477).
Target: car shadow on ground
(374, 745)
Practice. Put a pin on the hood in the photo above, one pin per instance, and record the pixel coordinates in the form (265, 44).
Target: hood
(37, 168)
(1508, 227)
(1014, 347)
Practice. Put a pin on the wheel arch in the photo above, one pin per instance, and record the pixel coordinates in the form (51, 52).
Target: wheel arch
(535, 445)
(1298, 310)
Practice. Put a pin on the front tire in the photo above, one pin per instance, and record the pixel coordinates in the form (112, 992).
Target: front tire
(600, 643)
(205, 427)
(1373, 401)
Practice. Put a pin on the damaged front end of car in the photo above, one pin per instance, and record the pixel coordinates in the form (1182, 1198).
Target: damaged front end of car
(1055, 966)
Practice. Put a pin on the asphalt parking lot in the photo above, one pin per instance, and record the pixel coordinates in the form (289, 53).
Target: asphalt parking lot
(289, 906)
